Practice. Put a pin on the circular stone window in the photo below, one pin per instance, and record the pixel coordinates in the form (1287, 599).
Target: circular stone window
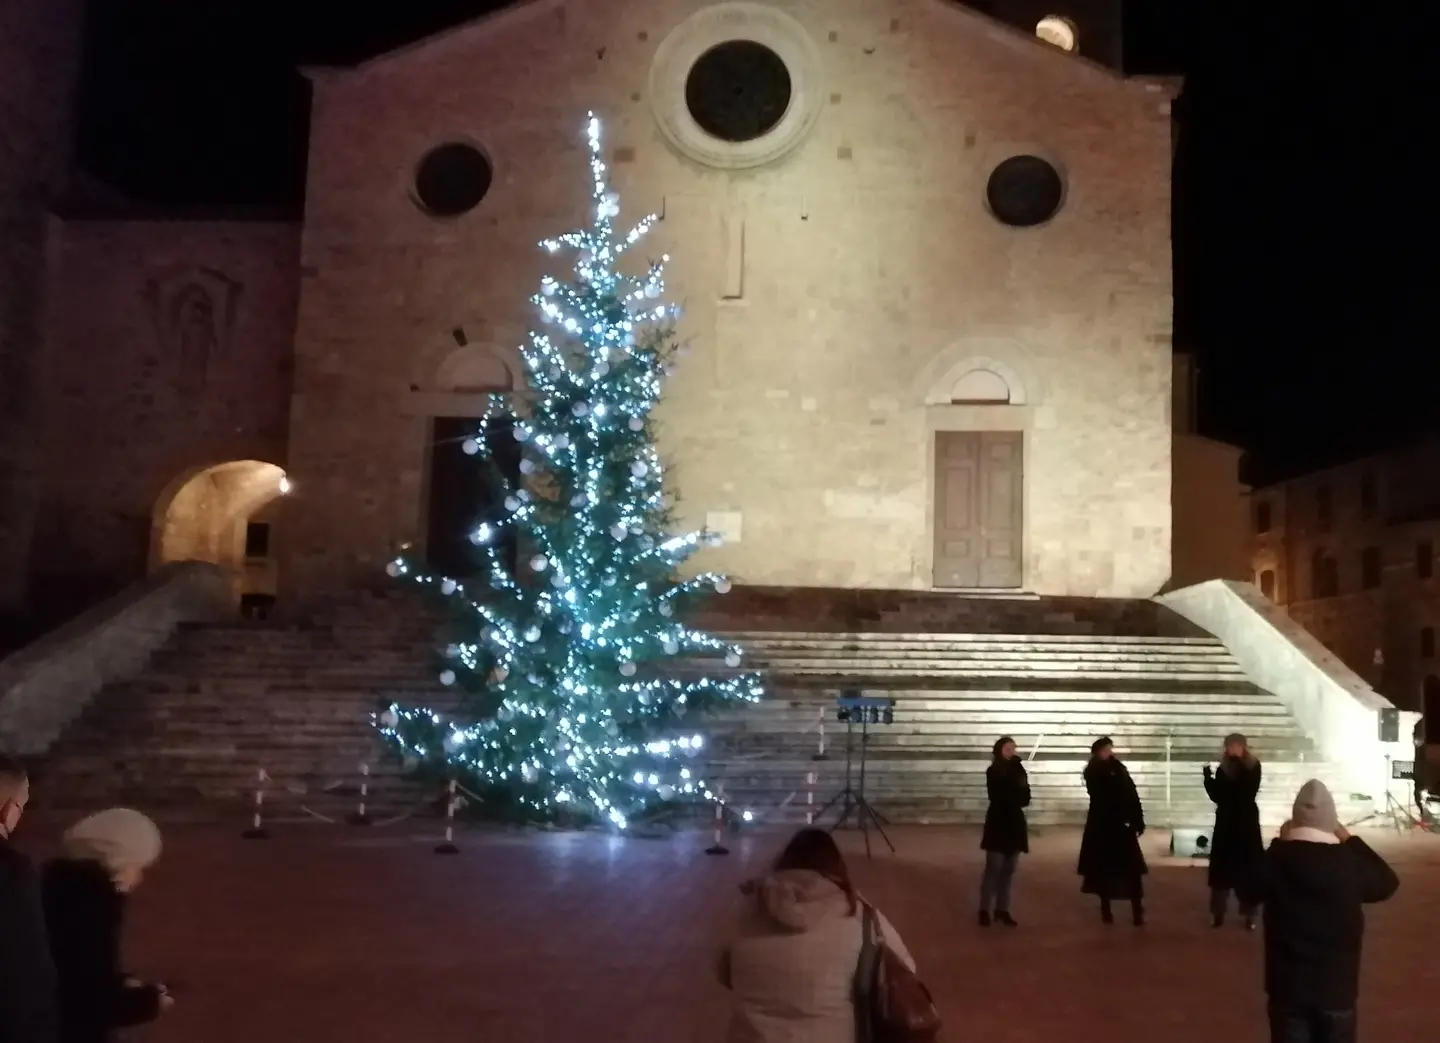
(736, 85)
(452, 180)
(1024, 191)
(738, 90)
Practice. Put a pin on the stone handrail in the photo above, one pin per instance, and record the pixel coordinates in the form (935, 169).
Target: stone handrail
(1332, 704)
(45, 686)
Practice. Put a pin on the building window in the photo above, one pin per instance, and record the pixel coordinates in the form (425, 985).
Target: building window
(1324, 508)
(1424, 559)
(1369, 496)
(452, 179)
(1262, 517)
(1427, 642)
(1324, 575)
(257, 540)
(1024, 191)
(1267, 583)
(1370, 568)
(738, 90)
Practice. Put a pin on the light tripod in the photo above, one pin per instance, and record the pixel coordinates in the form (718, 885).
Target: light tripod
(852, 708)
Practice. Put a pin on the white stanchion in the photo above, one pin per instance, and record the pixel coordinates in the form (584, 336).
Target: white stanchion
(718, 847)
(257, 830)
(447, 846)
(361, 817)
(810, 798)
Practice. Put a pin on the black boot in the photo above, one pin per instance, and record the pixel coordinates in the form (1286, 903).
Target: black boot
(1137, 910)
(983, 919)
(1106, 914)
(1217, 919)
(1003, 916)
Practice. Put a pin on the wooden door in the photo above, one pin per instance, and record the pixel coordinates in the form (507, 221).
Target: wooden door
(465, 490)
(978, 488)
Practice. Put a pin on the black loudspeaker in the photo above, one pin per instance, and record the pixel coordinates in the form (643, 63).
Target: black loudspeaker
(1389, 724)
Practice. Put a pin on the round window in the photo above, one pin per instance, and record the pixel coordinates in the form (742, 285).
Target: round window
(1024, 191)
(738, 91)
(452, 179)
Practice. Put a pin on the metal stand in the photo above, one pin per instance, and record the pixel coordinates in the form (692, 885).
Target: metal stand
(852, 798)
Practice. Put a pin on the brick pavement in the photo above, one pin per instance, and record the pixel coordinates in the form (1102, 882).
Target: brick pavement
(323, 935)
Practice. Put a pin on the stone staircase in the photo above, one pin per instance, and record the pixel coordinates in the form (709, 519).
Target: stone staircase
(1165, 700)
(221, 701)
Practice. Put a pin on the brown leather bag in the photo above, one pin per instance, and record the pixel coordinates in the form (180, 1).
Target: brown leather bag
(892, 1005)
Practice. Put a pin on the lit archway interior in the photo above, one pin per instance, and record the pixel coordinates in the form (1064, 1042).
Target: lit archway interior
(223, 515)
(1058, 32)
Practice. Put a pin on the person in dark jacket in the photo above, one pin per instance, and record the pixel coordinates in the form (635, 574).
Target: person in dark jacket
(1112, 866)
(28, 1011)
(104, 858)
(1314, 881)
(1006, 837)
(1235, 843)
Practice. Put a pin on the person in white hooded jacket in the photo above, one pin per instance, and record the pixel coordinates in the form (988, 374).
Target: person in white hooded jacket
(791, 959)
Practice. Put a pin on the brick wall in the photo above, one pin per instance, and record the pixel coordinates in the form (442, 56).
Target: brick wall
(871, 268)
(39, 56)
(171, 352)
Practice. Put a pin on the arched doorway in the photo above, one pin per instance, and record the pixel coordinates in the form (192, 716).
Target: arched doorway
(224, 514)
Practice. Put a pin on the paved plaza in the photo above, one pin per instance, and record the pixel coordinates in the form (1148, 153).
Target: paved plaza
(327, 934)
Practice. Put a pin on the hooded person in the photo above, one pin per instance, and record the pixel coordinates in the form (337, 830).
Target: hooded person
(1235, 843)
(103, 859)
(791, 960)
(1314, 881)
(1112, 866)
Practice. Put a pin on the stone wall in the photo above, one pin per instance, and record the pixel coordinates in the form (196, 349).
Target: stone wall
(39, 60)
(834, 295)
(171, 353)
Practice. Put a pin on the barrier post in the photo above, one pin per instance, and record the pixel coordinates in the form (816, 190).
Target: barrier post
(809, 798)
(819, 754)
(257, 829)
(447, 846)
(1169, 811)
(718, 847)
(361, 818)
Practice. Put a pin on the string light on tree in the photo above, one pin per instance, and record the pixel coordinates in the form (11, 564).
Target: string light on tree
(584, 668)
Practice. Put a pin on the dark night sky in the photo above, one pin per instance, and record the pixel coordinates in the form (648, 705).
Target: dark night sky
(1304, 211)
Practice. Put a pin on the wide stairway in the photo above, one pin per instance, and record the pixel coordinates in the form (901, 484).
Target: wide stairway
(220, 702)
(1052, 673)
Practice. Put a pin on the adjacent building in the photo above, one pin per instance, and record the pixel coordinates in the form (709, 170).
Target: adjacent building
(1350, 552)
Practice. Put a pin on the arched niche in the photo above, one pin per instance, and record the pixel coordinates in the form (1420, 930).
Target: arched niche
(981, 387)
(204, 514)
(474, 369)
(957, 378)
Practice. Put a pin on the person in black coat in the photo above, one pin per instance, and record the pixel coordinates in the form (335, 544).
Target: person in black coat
(28, 1012)
(1314, 882)
(85, 890)
(1006, 836)
(1235, 843)
(1112, 866)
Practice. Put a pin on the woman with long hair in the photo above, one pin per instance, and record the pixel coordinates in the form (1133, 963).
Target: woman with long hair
(1006, 835)
(1236, 846)
(103, 859)
(1112, 866)
(791, 959)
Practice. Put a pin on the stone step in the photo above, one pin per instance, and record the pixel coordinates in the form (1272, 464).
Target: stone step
(861, 669)
(928, 639)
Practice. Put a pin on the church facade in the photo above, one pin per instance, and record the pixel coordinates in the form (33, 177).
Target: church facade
(924, 258)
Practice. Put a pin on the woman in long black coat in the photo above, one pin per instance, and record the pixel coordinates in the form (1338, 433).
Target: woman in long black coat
(1112, 866)
(1006, 835)
(1235, 845)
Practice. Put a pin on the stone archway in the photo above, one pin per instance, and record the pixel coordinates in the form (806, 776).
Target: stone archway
(223, 514)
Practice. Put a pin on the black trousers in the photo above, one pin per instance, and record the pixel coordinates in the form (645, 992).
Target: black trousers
(1303, 1025)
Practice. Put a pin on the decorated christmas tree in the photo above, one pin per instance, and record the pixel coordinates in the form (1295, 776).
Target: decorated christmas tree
(581, 685)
